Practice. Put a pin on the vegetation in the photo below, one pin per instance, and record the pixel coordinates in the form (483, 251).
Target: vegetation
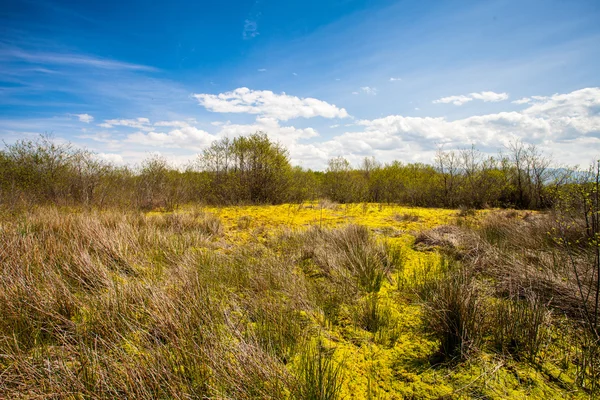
(230, 280)
(255, 170)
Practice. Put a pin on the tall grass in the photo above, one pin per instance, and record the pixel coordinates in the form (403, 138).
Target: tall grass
(453, 312)
(319, 375)
(518, 270)
(128, 305)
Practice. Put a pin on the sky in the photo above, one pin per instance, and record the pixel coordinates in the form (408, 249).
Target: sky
(393, 80)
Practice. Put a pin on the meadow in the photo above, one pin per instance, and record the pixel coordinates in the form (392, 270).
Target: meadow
(316, 300)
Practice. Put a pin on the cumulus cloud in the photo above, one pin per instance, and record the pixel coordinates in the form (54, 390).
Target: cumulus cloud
(287, 135)
(549, 122)
(568, 125)
(112, 158)
(268, 104)
(188, 137)
(490, 96)
(87, 118)
(456, 100)
(177, 124)
(462, 99)
(524, 100)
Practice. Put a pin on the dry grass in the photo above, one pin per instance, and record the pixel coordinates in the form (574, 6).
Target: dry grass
(131, 305)
(527, 274)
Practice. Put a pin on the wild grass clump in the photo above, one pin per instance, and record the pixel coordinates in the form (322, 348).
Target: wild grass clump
(406, 217)
(127, 305)
(244, 222)
(524, 269)
(344, 265)
(200, 222)
(453, 310)
(376, 316)
(319, 375)
(521, 327)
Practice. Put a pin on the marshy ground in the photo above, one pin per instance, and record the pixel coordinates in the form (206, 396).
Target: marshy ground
(310, 301)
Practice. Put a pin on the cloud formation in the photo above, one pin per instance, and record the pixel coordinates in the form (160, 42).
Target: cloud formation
(485, 96)
(369, 90)
(490, 96)
(188, 137)
(69, 59)
(567, 125)
(524, 100)
(87, 118)
(268, 104)
(456, 100)
(139, 123)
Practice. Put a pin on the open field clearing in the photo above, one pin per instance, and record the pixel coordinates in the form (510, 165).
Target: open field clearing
(311, 301)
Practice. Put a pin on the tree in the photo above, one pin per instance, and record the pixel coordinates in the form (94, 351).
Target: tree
(247, 169)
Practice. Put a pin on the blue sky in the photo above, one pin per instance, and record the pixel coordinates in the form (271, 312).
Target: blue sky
(389, 79)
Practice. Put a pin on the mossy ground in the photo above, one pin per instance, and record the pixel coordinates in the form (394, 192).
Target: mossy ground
(396, 362)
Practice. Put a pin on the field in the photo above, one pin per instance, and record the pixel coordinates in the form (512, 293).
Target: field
(309, 301)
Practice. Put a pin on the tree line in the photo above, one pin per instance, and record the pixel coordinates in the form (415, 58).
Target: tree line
(256, 170)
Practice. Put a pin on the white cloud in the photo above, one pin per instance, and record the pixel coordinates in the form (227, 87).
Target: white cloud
(269, 104)
(550, 122)
(287, 135)
(462, 99)
(187, 137)
(524, 100)
(176, 124)
(354, 92)
(395, 79)
(566, 125)
(87, 118)
(456, 100)
(295, 74)
(138, 123)
(262, 70)
(490, 96)
(368, 90)
(111, 158)
(71, 59)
